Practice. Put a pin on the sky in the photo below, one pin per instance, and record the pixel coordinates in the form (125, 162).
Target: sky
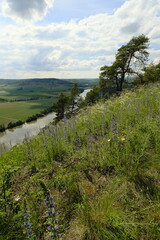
(71, 38)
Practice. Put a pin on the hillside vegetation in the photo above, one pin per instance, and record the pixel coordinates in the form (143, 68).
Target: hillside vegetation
(93, 177)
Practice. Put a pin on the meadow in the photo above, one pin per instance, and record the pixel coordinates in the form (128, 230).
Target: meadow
(92, 177)
(20, 99)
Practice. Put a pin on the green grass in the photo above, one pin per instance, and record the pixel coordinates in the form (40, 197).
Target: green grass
(102, 168)
(12, 111)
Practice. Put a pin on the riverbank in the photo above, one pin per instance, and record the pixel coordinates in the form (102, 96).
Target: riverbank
(12, 137)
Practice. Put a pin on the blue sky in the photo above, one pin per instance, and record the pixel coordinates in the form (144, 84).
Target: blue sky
(71, 38)
(64, 10)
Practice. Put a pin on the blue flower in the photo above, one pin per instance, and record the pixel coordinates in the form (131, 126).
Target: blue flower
(51, 204)
(56, 227)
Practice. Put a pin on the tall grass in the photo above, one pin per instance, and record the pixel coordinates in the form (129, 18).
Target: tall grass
(102, 167)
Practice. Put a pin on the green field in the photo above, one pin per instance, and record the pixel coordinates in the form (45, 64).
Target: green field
(14, 111)
(20, 99)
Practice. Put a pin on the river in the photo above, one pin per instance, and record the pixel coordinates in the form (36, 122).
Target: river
(11, 137)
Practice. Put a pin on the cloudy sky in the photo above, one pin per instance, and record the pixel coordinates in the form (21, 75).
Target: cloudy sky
(71, 38)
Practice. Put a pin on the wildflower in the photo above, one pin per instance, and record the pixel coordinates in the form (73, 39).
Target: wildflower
(109, 140)
(114, 127)
(123, 139)
(78, 141)
(52, 226)
(56, 227)
(17, 198)
(28, 226)
(51, 204)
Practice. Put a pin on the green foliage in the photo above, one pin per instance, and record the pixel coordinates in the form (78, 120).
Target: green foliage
(61, 106)
(92, 96)
(129, 59)
(74, 100)
(2, 128)
(151, 73)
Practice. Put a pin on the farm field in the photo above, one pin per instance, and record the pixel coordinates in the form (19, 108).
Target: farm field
(14, 111)
(20, 99)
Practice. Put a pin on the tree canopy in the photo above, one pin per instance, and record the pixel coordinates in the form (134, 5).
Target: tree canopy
(73, 98)
(130, 58)
(61, 105)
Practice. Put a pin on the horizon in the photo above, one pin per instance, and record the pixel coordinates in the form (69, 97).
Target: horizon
(47, 78)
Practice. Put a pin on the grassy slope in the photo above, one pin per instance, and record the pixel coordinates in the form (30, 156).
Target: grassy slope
(102, 168)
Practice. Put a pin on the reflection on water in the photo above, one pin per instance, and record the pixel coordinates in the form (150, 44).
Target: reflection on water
(83, 95)
(11, 137)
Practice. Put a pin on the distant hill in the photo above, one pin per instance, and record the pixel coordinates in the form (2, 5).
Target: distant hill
(46, 81)
(38, 82)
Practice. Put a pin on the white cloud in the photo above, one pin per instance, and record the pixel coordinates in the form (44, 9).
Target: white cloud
(76, 48)
(26, 10)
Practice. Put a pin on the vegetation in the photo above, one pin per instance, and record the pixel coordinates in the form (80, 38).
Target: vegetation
(93, 177)
(128, 59)
(151, 73)
(61, 106)
(67, 105)
(15, 124)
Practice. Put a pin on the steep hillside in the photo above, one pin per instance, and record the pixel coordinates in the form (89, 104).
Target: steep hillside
(93, 177)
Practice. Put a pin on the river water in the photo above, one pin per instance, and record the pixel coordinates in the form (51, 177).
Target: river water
(11, 137)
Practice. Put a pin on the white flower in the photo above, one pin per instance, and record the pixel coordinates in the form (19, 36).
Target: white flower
(17, 198)
(123, 139)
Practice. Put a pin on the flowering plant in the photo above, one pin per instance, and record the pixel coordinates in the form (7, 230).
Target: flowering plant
(51, 219)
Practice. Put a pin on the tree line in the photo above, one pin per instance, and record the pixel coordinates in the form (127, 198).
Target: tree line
(34, 117)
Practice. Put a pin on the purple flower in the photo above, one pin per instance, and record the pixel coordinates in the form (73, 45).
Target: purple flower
(56, 227)
(49, 228)
(51, 204)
